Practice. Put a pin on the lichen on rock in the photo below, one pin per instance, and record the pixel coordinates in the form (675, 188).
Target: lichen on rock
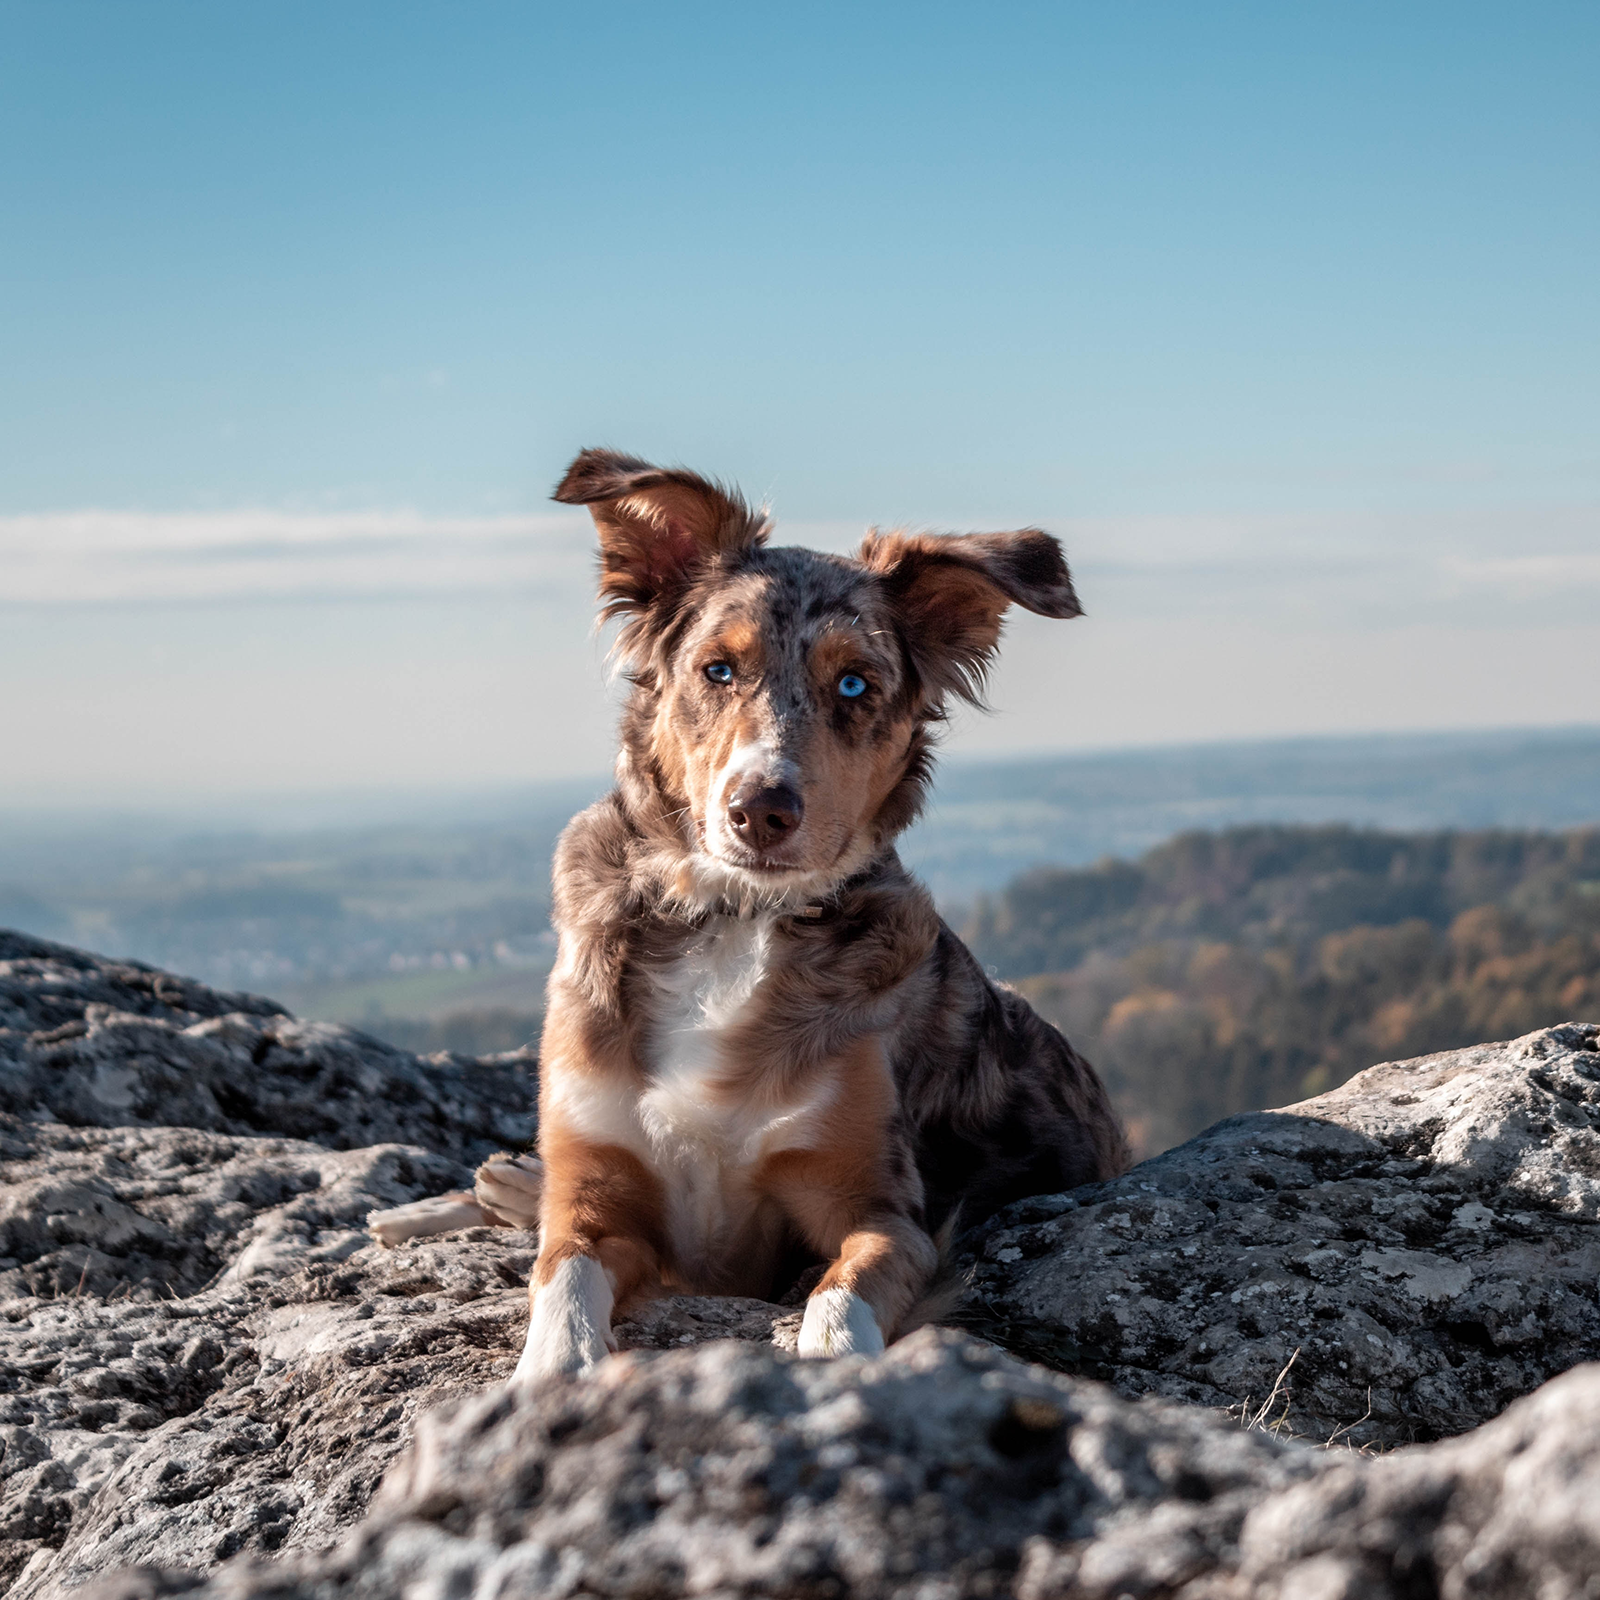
(1425, 1238)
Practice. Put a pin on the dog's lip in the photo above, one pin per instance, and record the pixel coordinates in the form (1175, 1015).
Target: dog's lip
(753, 861)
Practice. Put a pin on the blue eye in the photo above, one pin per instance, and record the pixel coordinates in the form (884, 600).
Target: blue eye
(850, 686)
(720, 672)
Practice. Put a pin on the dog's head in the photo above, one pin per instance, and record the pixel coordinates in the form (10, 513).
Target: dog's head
(783, 696)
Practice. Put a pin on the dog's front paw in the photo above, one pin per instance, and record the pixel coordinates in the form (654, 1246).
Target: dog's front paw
(838, 1322)
(569, 1329)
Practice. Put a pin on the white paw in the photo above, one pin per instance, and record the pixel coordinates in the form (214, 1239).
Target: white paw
(510, 1187)
(838, 1322)
(570, 1326)
(421, 1219)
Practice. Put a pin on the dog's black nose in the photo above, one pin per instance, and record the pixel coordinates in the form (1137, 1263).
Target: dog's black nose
(763, 818)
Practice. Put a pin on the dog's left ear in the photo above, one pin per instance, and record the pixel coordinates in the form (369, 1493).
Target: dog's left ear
(953, 591)
(657, 526)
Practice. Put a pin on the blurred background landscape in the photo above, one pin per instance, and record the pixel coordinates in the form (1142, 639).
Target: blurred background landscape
(1284, 318)
(1218, 927)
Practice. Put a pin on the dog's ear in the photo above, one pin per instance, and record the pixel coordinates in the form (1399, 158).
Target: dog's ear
(657, 525)
(953, 590)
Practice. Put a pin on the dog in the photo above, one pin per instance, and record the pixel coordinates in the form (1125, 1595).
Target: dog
(761, 1043)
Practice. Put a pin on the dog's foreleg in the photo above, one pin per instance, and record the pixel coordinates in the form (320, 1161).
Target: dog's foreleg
(598, 1248)
(570, 1302)
(883, 1260)
(882, 1267)
(569, 1321)
(854, 1194)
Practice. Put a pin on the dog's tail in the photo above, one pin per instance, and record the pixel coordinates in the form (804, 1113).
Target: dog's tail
(948, 1285)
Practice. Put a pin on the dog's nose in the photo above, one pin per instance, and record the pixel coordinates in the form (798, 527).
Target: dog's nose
(763, 818)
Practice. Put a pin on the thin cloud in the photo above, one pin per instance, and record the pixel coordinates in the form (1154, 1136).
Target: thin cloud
(1378, 569)
(1533, 575)
(116, 557)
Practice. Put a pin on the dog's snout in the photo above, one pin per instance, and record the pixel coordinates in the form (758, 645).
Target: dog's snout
(765, 817)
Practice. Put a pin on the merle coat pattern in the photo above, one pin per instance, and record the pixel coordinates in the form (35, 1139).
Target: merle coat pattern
(761, 1042)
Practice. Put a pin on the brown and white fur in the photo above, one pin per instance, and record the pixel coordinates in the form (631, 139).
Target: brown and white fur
(761, 1042)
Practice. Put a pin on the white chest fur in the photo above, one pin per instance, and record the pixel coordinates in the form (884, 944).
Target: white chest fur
(701, 995)
(700, 1135)
(704, 1141)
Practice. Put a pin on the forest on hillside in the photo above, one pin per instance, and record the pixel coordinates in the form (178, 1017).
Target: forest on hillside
(1227, 971)
(1223, 970)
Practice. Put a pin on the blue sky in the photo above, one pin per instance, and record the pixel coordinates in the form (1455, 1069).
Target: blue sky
(1285, 315)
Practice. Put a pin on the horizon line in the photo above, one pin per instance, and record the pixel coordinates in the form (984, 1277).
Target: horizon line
(161, 806)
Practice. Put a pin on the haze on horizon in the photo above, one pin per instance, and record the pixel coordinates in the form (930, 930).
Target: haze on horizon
(1283, 318)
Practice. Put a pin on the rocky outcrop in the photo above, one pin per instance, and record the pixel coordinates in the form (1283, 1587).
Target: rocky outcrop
(107, 1044)
(166, 1268)
(941, 1468)
(205, 1362)
(1423, 1243)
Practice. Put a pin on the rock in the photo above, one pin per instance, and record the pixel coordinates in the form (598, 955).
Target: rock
(247, 1390)
(942, 1468)
(187, 1177)
(201, 1349)
(1426, 1236)
(107, 1213)
(204, 1359)
(1508, 1510)
(695, 1319)
(108, 1044)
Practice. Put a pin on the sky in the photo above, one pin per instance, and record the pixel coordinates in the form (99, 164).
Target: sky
(1284, 318)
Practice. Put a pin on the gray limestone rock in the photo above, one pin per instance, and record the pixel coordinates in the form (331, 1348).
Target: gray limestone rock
(206, 1366)
(1509, 1510)
(113, 1044)
(207, 1354)
(1423, 1242)
(202, 1351)
(942, 1468)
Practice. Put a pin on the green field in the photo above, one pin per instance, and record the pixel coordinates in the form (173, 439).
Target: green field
(417, 996)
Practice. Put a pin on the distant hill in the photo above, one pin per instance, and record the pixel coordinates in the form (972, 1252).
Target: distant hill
(1222, 972)
(991, 820)
(425, 918)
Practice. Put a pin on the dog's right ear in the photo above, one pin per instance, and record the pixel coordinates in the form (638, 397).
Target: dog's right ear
(657, 526)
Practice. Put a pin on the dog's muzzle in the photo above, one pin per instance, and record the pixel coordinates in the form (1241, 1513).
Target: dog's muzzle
(763, 817)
